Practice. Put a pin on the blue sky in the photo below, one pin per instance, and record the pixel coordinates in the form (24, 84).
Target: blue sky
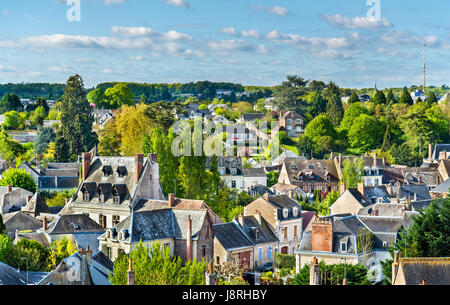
(253, 42)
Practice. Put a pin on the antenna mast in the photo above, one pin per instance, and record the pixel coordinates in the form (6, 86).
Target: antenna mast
(424, 67)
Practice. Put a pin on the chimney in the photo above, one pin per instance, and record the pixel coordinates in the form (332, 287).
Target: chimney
(291, 194)
(9, 188)
(331, 156)
(420, 179)
(241, 219)
(424, 282)
(266, 196)
(153, 158)
(67, 201)
(430, 152)
(375, 159)
(171, 200)
(340, 160)
(85, 165)
(189, 239)
(443, 155)
(314, 272)
(87, 253)
(322, 235)
(130, 273)
(361, 187)
(258, 217)
(139, 163)
(344, 282)
(408, 202)
(210, 276)
(395, 264)
(399, 193)
(375, 212)
(44, 223)
(29, 198)
(342, 187)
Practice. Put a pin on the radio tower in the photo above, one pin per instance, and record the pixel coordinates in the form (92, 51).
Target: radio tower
(424, 67)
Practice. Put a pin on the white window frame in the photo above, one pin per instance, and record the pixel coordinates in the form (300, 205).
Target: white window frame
(342, 250)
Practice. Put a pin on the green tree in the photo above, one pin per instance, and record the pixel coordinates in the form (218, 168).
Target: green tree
(335, 110)
(42, 102)
(379, 98)
(431, 100)
(119, 95)
(319, 127)
(38, 117)
(61, 148)
(97, 97)
(429, 235)
(154, 265)
(43, 139)
(306, 146)
(60, 250)
(168, 163)
(364, 243)
(28, 255)
(272, 178)
(352, 172)
(2, 225)
(390, 98)
(406, 98)
(365, 134)
(10, 102)
(6, 245)
(351, 114)
(18, 177)
(9, 148)
(354, 98)
(288, 94)
(403, 155)
(14, 120)
(76, 122)
(323, 207)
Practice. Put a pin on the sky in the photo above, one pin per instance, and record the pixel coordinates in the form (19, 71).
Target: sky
(252, 42)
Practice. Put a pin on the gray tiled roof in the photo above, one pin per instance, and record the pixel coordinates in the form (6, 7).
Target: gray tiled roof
(231, 236)
(265, 234)
(10, 276)
(70, 224)
(443, 188)
(254, 172)
(436, 271)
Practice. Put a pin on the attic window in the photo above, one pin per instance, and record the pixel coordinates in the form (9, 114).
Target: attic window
(85, 195)
(343, 247)
(101, 195)
(107, 170)
(285, 213)
(310, 166)
(233, 171)
(76, 226)
(328, 178)
(293, 166)
(122, 171)
(295, 212)
(257, 234)
(385, 244)
(116, 196)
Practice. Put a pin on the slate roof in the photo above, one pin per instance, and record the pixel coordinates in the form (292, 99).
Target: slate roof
(228, 163)
(162, 224)
(231, 236)
(319, 168)
(409, 190)
(359, 197)
(391, 209)
(259, 190)
(10, 276)
(374, 192)
(253, 116)
(73, 270)
(265, 234)
(435, 270)
(437, 150)
(443, 188)
(253, 172)
(73, 224)
(36, 205)
(20, 221)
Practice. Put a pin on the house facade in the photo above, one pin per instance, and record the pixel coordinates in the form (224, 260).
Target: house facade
(293, 123)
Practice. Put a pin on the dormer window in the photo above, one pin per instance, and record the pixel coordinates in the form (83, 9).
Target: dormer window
(233, 171)
(295, 212)
(293, 166)
(122, 171)
(85, 195)
(343, 247)
(107, 170)
(310, 166)
(285, 213)
(328, 178)
(385, 244)
(116, 196)
(257, 234)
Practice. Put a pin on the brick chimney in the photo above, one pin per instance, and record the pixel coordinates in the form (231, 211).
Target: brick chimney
(130, 273)
(171, 200)
(430, 152)
(210, 276)
(139, 163)
(314, 272)
(322, 235)
(340, 160)
(361, 188)
(241, 219)
(189, 239)
(420, 179)
(375, 159)
(9, 188)
(395, 265)
(44, 224)
(258, 217)
(85, 165)
(443, 155)
(342, 187)
(266, 196)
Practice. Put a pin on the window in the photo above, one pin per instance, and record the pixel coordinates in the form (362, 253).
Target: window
(86, 195)
(289, 120)
(101, 196)
(269, 252)
(289, 127)
(299, 120)
(115, 220)
(218, 260)
(343, 247)
(203, 250)
(116, 198)
(260, 254)
(109, 252)
(285, 213)
(233, 171)
(385, 244)
(295, 231)
(285, 232)
(233, 184)
(295, 212)
(102, 220)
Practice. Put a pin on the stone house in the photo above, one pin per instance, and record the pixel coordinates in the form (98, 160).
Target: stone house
(442, 190)
(247, 241)
(189, 234)
(12, 199)
(230, 170)
(253, 176)
(112, 186)
(283, 215)
(293, 123)
(310, 175)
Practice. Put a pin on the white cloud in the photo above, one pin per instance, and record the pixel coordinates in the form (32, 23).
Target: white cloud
(275, 10)
(179, 3)
(231, 45)
(229, 31)
(136, 58)
(357, 22)
(132, 31)
(250, 33)
(108, 2)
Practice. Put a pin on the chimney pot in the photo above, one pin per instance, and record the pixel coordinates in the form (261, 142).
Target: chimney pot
(171, 200)
(189, 239)
(130, 273)
(361, 187)
(241, 220)
(291, 194)
(44, 224)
